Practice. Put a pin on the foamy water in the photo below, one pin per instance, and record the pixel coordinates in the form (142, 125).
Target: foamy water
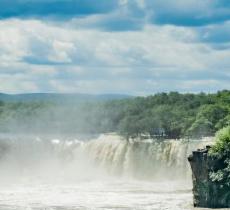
(97, 195)
(104, 173)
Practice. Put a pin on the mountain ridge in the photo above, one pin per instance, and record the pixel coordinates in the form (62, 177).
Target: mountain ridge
(71, 97)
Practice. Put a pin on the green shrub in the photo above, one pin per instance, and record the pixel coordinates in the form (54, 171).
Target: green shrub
(220, 152)
(222, 144)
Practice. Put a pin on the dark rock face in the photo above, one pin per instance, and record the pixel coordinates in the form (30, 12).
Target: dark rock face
(206, 193)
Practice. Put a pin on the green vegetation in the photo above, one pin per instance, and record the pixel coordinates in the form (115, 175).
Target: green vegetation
(222, 144)
(219, 155)
(164, 115)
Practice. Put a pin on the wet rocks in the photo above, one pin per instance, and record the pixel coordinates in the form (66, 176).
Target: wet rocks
(206, 192)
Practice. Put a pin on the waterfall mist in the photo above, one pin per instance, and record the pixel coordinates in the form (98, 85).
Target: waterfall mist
(106, 156)
(104, 172)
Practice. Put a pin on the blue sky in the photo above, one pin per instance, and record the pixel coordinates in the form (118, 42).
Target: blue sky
(137, 47)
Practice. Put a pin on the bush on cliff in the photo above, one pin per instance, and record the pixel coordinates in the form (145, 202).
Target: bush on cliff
(220, 152)
(222, 144)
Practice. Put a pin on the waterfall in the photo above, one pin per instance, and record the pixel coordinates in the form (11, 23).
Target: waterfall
(107, 154)
(145, 159)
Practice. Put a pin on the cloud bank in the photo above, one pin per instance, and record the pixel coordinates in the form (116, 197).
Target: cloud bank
(135, 47)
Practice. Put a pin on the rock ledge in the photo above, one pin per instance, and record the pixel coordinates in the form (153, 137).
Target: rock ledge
(206, 193)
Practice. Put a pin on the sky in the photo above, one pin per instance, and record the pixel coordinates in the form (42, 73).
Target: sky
(136, 47)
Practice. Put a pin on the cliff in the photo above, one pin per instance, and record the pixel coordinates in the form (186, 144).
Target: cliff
(208, 193)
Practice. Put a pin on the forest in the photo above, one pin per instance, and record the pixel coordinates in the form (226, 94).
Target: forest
(170, 115)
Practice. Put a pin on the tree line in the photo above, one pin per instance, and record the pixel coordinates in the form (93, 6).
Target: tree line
(164, 115)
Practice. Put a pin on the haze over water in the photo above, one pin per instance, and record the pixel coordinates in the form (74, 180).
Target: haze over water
(101, 173)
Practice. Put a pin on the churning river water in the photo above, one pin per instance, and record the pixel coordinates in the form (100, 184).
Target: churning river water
(99, 174)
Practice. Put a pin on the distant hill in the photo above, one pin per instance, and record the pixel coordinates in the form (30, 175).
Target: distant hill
(59, 97)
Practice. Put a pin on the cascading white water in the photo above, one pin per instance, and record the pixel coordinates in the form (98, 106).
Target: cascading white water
(112, 155)
(102, 173)
(146, 159)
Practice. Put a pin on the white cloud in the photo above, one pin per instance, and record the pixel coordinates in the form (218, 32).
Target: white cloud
(63, 59)
(17, 83)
